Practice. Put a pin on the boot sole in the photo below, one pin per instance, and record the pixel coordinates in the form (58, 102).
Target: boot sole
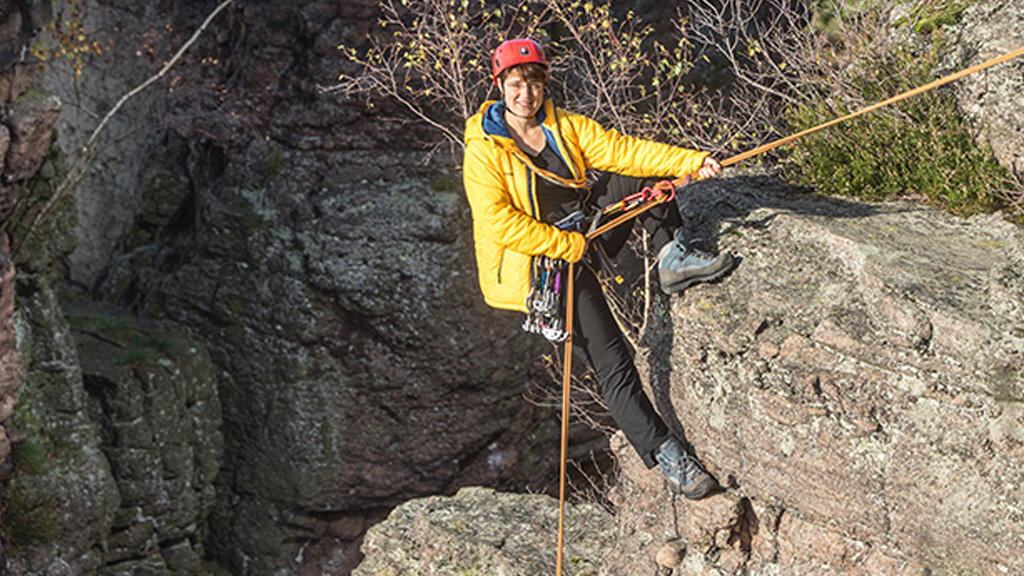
(701, 489)
(697, 490)
(727, 263)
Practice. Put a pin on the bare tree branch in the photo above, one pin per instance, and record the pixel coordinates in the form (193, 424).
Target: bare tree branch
(88, 152)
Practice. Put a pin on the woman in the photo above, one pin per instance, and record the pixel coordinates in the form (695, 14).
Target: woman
(524, 170)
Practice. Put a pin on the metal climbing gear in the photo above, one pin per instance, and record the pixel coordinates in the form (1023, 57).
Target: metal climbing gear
(664, 191)
(546, 301)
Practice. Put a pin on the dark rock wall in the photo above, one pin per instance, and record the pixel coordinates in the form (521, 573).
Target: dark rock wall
(111, 430)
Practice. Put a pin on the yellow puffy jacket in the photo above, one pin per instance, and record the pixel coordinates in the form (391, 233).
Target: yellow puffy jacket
(500, 182)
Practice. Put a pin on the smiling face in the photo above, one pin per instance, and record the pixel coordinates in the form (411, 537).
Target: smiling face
(523, 92)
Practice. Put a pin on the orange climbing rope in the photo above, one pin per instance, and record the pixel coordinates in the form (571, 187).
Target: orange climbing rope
(657, 199)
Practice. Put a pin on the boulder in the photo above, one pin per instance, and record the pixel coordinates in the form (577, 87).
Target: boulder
(480, 531)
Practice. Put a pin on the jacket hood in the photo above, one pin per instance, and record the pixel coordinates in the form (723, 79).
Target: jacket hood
(490, 120)
(494, 117)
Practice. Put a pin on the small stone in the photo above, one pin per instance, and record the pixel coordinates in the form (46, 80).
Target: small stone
(616, 497)
(670, 554)
(768, 350)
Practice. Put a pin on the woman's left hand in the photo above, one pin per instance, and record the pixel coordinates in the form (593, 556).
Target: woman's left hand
(709, 169)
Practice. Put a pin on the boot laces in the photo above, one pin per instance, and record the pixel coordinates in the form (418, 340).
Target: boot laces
(689, 250)
(686, 466)
(689, 466)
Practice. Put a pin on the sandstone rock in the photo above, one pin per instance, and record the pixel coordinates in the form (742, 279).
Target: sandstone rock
(480, 531)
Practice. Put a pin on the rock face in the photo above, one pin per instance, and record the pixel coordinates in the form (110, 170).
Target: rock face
(155, 393)
(110, 435)
(128, 419)
(356, 364)
(858, 381)
(331, 316)
(994, 99)
(26, 120)
(117, 425)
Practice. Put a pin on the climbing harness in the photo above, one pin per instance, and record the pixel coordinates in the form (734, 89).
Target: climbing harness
(667, 192)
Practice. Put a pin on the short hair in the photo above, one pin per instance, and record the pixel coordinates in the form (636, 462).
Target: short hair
(532, 71)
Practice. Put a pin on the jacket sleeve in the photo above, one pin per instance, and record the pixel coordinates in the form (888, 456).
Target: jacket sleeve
(611, 151)
(501, 222)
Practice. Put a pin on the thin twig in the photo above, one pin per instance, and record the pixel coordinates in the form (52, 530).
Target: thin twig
(88, 151)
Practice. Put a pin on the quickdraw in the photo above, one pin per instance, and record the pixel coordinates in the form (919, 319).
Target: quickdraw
(546, 301)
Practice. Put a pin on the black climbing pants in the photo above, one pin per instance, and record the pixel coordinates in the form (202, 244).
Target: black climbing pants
(596, 336)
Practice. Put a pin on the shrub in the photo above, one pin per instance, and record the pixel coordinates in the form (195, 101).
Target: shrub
(920, 147)
(433, 58)
(828, 58)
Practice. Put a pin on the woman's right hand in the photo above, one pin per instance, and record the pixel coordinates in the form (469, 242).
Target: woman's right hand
(579, 242)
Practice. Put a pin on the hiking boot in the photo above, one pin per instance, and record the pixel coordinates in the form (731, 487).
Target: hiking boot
(684, 473)
(681, 266)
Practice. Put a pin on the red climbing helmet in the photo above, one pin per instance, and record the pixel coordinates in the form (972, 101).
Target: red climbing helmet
(513, 52)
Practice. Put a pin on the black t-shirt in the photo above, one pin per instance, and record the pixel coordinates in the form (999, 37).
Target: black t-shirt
(555, 201)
